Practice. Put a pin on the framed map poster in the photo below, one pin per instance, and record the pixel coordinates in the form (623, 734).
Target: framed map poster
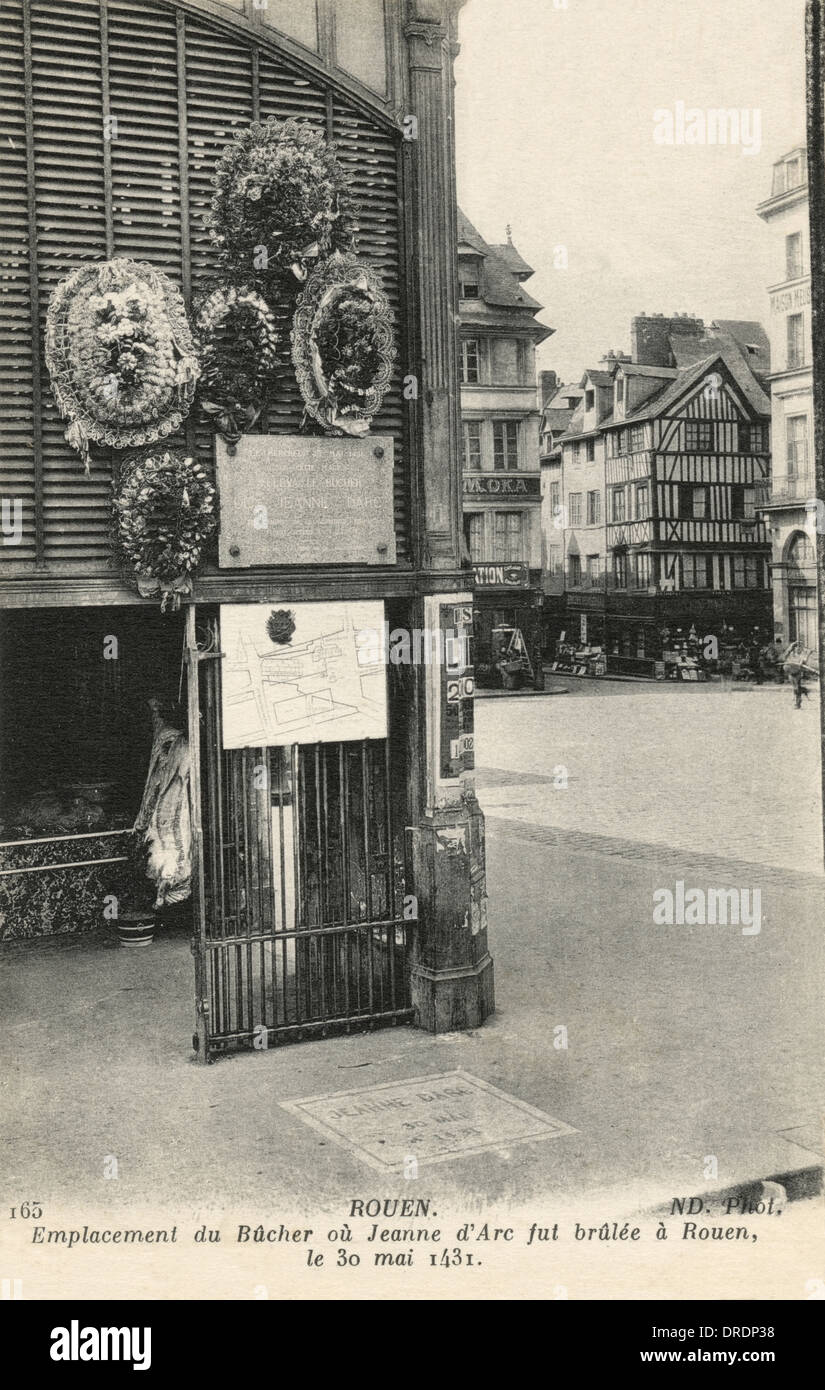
(302, 673)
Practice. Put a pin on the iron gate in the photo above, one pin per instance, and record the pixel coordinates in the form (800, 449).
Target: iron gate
(303, 930)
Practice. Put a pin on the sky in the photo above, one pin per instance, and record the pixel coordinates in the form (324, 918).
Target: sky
(555, 130)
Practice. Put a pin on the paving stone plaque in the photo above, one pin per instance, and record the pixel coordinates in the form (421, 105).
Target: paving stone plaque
(294, 500)
(429, 1118)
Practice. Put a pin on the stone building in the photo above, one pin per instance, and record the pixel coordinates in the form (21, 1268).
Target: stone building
(792, 525)
(500, 419)
(558, 403)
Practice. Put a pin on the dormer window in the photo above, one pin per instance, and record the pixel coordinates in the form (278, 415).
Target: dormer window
(589, 400)
(793, 172)
(469, 280)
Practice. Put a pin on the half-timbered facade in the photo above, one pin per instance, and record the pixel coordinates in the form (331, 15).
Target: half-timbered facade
(683, 477)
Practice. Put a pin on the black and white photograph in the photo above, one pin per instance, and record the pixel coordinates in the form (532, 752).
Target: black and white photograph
(412, 497)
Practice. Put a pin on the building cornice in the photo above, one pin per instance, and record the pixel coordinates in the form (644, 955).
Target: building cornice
(782, 201)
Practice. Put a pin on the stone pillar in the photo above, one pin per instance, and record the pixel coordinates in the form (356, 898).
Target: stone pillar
(432, 220)
(452, 973)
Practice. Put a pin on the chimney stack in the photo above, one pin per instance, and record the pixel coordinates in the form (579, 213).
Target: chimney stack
(548, 386)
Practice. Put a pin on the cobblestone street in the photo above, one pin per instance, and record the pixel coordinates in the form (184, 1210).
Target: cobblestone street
(728, 774)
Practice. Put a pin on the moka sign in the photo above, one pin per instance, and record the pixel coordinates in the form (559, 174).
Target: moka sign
(496, 485)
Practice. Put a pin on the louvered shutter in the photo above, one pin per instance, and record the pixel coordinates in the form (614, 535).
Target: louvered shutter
(71, 229)
(139, 212)
(371, 158)
(16, 425)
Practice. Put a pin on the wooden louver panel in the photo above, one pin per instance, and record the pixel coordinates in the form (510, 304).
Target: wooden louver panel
(71, 229)
(16, 394)
(130, 196)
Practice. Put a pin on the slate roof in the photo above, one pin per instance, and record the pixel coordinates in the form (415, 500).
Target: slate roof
(742, 374)
(563, 394)
(726, 335)
(515, 262)
(501, 285)
(638, 369)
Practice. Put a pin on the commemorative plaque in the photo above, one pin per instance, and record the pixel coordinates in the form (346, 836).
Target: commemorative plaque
(291, 500)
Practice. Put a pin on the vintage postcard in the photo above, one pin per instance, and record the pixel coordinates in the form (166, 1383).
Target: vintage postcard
(411, 830)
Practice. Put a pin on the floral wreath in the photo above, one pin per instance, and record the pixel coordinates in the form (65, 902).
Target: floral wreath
(120, 355)
(238, 343)
(281, 201)
(342, 345)
(164, 512)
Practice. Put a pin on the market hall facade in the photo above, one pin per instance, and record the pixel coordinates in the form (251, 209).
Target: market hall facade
(181, 622)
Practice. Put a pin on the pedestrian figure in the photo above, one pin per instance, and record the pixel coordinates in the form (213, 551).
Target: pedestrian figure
(799, 687)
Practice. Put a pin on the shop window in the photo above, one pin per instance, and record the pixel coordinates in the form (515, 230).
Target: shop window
(76, 728)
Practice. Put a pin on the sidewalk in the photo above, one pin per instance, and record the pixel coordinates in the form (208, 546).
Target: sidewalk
(679, 1045)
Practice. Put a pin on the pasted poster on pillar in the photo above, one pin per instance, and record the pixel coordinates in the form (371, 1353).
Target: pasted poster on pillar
(302, 673)
(457, 753)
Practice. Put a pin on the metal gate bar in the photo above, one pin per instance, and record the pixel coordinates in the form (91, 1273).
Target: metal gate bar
(304, 929)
